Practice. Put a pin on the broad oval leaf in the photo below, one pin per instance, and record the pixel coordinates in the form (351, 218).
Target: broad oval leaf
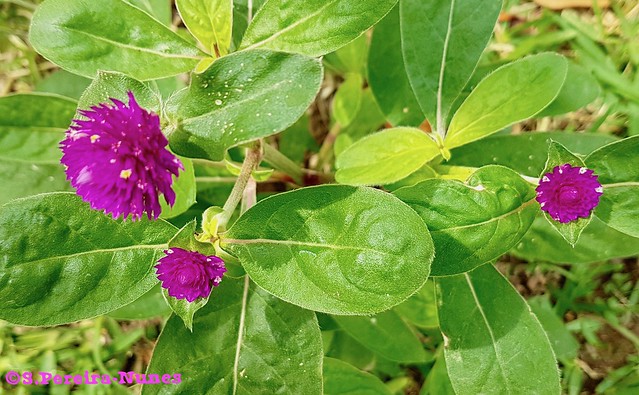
(240, 98)
(312, 27)
(31, 128)
(493, 343)
(474, 222)
(385, 157)
(386, 334)
(210, 21)
(244, 341)
(341, 378)
(149, 305)
(82, 36)
(580, 89)
(109, 85)
(615, 164)
(514, 92)
(387, 75)
(334, 248)
(80, 262)
(442, 42)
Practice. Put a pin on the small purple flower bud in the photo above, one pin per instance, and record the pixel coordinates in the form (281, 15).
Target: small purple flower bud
(189, 274)
(117, 160)
(568, 193)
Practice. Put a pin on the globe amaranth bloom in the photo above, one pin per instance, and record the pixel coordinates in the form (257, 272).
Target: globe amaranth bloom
(189, 274)
(117, 160)
(568, 193)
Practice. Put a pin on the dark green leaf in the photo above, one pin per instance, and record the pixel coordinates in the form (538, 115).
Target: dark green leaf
(442, 42)
(347, 349)
(244, 341)
(63, 83)
(525, 153)
(385, 157)
(334, 248)
(242, 97)
(385, 334)
(82, 36)
(387, 76)
(563, 343)
(421, 308)
(473, 222)
(580, 89)
(598, 242)
(312, 27)
(615, 164)
(88, 263)
(493, 343)
(514, 92)
(31, 128)
(340, 378)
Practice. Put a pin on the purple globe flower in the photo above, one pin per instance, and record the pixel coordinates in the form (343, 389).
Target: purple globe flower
(568, 193)
(117, 160)
(189, 274)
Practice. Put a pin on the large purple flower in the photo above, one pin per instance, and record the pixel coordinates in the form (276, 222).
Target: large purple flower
(568, 193)
(189, 274)
(117, 160)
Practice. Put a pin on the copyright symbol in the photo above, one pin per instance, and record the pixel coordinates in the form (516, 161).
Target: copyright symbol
(12, 377)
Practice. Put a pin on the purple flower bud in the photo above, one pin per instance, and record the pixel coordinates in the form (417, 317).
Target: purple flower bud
(117, 160)
(189, 274)
(568, 193)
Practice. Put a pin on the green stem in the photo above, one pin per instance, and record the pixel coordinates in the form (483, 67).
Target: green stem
(282, 163)
(251, 161)
(326, 151)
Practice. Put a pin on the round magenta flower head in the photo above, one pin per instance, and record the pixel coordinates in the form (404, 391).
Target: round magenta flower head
(189, 274)
(117, 160)
(568, 193)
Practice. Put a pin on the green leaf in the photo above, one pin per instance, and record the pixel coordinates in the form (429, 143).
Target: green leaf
(619, 205)
(514, 92)
(341, 378)
(185, 239)
(580, 89)
(351, 58)
(598, 242)
(385, 334)
(82, 36)
(241, 18)
(345, 348)
(88, 263)
(242, 97)
(473, 222)
(563, 343)
(244, 341)
(334, 248)
(387, 75)
(559, 155)
(525, 153)
(312, 27)
(185, 191)
(31, 128)
(437, 382)
(348, 99)
(421, 308)
(158, 9)
(110, 85)
(211, 22)
(63, 83)
(368, 119)
(149, 305)
(385, 157)
(493, 343)
(442, 42)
